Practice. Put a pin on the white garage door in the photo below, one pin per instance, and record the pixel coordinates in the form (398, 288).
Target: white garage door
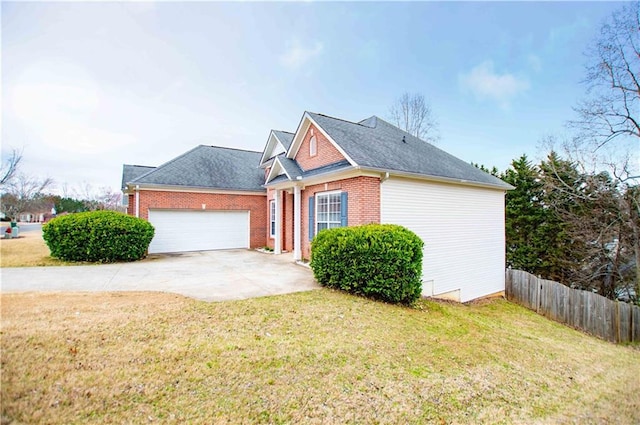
(178, 231)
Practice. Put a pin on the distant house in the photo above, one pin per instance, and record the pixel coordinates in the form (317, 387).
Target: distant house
(330, 173)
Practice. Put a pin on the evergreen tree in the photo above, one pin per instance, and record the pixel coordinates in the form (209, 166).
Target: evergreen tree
(531, 227)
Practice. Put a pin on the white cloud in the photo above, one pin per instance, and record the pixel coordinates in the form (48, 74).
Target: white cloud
(298, 55)
(486, 84)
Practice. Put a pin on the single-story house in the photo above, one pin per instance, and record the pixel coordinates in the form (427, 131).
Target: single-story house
(330, 173)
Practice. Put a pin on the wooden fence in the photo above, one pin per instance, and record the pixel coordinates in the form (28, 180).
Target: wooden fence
(613, 321)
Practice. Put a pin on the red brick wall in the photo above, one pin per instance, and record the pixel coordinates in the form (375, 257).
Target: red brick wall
(131, 206)
(326, 153)
(363, 203)
(255, 204)
(287, 221)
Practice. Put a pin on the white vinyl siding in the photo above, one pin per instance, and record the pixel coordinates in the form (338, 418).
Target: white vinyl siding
(462, 228)
(192, 230)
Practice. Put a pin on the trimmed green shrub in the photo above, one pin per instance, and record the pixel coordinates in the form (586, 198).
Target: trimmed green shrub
(98, 236)
(379, 261)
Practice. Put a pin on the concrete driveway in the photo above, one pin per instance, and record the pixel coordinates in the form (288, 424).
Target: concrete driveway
(207, 275)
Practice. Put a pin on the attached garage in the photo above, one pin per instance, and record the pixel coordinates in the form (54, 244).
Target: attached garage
(193, 230)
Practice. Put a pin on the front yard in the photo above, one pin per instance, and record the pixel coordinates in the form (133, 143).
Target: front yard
(29, 250)
(314, 357)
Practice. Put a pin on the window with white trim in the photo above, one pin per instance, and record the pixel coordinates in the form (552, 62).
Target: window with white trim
(328, 207)
(313, 146)
(272, 218)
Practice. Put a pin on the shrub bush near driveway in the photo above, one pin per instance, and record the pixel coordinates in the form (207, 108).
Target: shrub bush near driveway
(379, 261)
(98, 236)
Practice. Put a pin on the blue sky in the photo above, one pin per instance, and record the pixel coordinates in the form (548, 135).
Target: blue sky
(89, 86)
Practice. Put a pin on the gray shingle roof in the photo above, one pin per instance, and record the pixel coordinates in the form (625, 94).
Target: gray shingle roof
(374, 143)
(132, 172)
(336, 166)
(290, 166)
(285, 138)
(210, 167)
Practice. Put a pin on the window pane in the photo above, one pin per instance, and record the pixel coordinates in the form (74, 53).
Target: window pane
(328, 211)
(272, 224)
(322, 204)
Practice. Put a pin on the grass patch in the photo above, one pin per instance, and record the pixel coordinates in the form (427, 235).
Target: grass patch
(28, 250)
(313, 357)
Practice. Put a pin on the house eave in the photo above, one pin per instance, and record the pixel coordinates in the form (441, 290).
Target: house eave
(381, 173)
(439, 179)
(132, 187)
(327, 177)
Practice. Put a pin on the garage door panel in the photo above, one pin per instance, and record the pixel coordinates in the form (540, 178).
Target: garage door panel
(180, 230)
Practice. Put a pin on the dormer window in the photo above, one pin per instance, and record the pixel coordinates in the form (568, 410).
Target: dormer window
(313, 145)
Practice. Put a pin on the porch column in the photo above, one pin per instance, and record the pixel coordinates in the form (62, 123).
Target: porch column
(297, 252)
(137, 201)
(277, 248)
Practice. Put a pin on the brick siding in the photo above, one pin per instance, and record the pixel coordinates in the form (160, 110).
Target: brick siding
(255, 204)
(326, 153)
(287, 221)
(363, 203)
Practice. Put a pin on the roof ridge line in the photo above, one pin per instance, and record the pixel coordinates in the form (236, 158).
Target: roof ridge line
(138, 165)
(335, 118)
(221, 147)
(352, 122)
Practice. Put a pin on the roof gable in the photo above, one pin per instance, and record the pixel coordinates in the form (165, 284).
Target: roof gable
(306, 121)
(209, 167)
(277, 143)
(283, 165)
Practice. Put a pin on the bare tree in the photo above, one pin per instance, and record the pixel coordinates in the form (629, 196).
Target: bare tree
(102, 198)
(413, 114)
(9, 166)
(599, 212)
(613, 81)
(107, 199)
(24, 193)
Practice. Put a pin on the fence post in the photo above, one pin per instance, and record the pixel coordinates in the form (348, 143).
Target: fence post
(631, 325)
(616, 323)
(538, 291)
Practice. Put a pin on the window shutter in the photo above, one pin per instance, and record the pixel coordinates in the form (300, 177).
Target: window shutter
(343, 209)
(312, 225)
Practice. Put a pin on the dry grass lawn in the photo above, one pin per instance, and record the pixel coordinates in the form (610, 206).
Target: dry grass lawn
(319, 357)
(28, 250)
